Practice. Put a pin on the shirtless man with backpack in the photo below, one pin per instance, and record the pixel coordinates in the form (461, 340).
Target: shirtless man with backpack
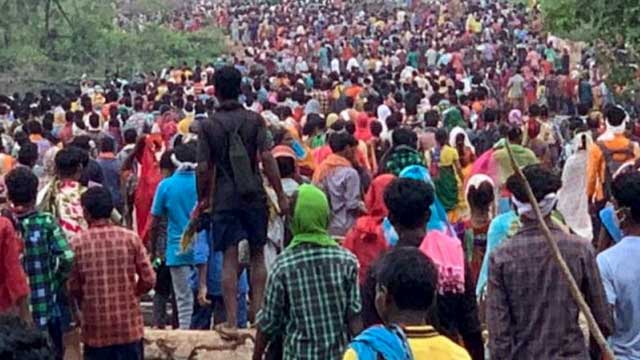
(610, 151)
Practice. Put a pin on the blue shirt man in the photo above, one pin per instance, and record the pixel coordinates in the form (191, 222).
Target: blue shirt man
(176, 198)
(620, 272)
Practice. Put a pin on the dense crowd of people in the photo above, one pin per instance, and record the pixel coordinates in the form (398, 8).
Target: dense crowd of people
(344, 185)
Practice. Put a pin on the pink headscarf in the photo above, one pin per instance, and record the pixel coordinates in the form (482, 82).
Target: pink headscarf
(447, 254)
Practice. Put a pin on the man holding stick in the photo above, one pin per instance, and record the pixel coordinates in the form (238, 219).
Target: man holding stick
(530, 310)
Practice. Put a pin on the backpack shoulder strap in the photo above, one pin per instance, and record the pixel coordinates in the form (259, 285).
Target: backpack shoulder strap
(606, 152)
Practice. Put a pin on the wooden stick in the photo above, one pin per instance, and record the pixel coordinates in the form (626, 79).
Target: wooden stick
(594, 330)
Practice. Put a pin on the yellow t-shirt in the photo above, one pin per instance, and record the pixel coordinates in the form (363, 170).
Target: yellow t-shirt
(448, 156)
(427, 344)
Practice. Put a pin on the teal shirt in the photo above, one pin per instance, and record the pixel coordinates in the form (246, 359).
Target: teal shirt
(412, 59)
(499, 230)
(175, 198)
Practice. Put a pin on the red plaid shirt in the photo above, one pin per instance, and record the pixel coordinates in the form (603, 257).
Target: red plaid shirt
(103, 280)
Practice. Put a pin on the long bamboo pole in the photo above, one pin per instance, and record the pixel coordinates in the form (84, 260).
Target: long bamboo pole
(594, 330)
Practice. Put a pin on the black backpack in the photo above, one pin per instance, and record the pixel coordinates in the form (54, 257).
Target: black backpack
(612, 165)
(243, 177)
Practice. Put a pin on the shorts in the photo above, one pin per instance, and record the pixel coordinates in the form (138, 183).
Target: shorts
(231, 226)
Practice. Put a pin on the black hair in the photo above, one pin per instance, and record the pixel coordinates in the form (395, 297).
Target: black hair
(442, 136)
(376, 128)
(166, 162)
(69, 160)
(314, 122)
(514, 133)
(227, 81)
(626, 191)
(490, 115)
(21, 137)
(542, 181)
(94, 120)
(317, 121)
(534, 110)
(97, 201)
(286, 165)
(20, 341)
(408, 201)
(130, 136)
(81, 142)
(410, 278)
(431, 118)
(22, 186)
(107, 144)
(544, 111)
(481, 196)
(394, 120)
(28, 154)
(47, 122)
(186, 153)
(339, 125)
(33, 127)
(350, 127)
(576, 125)
(583, 109)
(404, 136)
(614, 115)
(339, 142)
(69, 117)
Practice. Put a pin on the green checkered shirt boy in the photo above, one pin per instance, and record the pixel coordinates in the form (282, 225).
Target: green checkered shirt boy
(401, 158)
(311, 293)
(47, 261)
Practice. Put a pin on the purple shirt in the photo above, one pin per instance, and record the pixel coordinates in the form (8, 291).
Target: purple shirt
(343, 190)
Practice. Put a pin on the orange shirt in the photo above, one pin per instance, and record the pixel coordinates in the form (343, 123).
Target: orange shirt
(354, 91)
(596, 164)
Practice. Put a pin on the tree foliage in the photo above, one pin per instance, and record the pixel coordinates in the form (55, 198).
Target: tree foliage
(56, 41)
(611, 26)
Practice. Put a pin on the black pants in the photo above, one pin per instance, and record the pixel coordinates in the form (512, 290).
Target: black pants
(54, 328)
(132, 351)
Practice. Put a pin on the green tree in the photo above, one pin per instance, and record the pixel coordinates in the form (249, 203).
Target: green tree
(51, 42)
(612, 27)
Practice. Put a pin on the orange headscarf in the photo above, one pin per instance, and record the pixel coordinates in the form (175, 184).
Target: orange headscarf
(328, 166)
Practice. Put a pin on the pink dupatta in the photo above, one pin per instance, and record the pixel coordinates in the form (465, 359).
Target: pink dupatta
(447, 254)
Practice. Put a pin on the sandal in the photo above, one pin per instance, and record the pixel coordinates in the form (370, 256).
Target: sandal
(226, 333)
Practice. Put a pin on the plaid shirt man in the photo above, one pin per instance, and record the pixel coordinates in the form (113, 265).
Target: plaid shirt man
(324, 98)
(530, 311)
(400, 158)
(311, 293)
(47, 261)
(103, 280)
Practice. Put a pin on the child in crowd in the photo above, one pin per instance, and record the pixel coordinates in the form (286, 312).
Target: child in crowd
(163, 290)
(406, 284)
(207, 285)
(176, 198)
(47, 258)
(108, 254)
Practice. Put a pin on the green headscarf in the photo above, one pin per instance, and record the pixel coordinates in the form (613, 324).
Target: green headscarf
(452, 118)
(311, 218)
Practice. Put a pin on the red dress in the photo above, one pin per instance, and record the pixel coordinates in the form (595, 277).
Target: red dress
(13, 280)
(366, 239)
